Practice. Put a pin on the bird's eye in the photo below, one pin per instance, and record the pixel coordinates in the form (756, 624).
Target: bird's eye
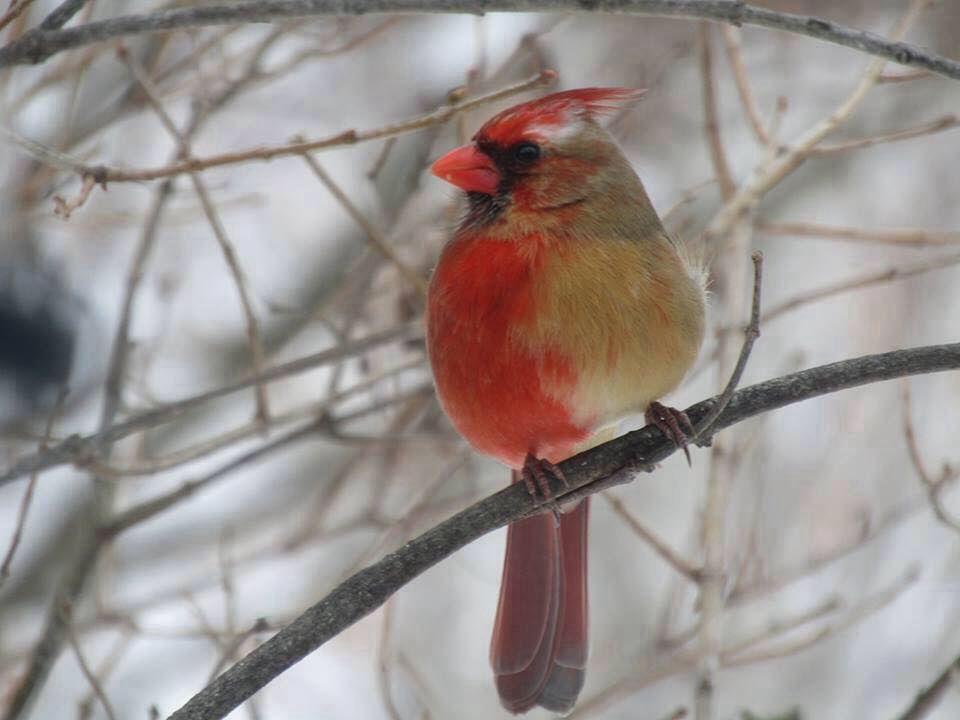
(526, 152)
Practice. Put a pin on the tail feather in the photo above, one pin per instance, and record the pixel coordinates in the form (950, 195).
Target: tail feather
(570, 653)
(539, 647)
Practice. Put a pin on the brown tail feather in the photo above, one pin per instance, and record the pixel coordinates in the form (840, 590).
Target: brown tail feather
(539, 647)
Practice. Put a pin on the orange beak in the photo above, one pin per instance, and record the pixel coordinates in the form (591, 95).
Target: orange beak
(468, 169)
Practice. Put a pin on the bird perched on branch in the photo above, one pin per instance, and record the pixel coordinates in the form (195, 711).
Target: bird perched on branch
(559, 306)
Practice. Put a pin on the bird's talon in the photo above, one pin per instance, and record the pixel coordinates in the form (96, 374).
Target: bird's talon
(536, 476)
(669, 421)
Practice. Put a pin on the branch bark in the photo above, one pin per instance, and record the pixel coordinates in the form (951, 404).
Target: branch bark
(38, 44)
(929, 697)
(589, 471)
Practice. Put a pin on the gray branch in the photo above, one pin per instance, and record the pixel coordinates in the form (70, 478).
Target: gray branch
(38, 44)
(77, 449)
(930, 697)
(368, 589)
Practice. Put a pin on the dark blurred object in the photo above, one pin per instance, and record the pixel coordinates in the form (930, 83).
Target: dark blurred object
(38, 333)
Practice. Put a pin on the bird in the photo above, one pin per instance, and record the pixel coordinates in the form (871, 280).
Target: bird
(559, 305)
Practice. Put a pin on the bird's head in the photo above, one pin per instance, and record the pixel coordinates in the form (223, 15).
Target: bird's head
(540, 156)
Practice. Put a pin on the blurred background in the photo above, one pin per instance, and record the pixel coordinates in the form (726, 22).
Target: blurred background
(231, 505)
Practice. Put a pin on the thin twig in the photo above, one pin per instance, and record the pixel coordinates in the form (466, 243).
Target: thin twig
(105, 174)
(216, 226)
(947, 122)
(900, 77)
(721, 168)
(730, 274)
(107, 666)
(222, 440)
(150, 508)
(313, 53)
(674, 559)
(899, 236)
(384, 662)
(14, 10)
(777, 628)
(731, 41)
(382, 158)
(703, 430)
(254, 342)
(862, 610)
(28, 493)
(896, 272)
(64, 208)
(375, 235)
(745, 591)
(61, 15)
(85, 668)
(660, 667)
(933, 485)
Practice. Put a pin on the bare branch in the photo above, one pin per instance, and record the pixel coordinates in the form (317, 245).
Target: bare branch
(103, 174)
(718, 156)
(896, 272)
(28, 495)
(14, 11)
(61, 15)
(899, 236)
(742, 655)
(368, 589)
(731, 41)
(778, 628)
(786, 163)
(77, 448)
(930, 697)
(375, 236)
(673, 558)
(216, 226)
(933, 485)
(150, 508)
(37, 45)
(731, 275)
(87, 672)
(64, 208)
(947, 122)
(752, 332)
(87, 549)
(384, 663)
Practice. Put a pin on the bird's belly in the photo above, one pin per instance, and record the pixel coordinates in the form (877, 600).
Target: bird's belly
(505, 401)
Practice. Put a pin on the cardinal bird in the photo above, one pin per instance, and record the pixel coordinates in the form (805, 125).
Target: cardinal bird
(559, 306)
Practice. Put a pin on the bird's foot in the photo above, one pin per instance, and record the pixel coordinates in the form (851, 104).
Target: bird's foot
(536, 475)
(673, 423)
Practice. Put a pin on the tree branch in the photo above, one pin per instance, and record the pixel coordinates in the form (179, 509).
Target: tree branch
(80, 448)
(38, 44)
(103, 174)
(929, 697)
(368, 589)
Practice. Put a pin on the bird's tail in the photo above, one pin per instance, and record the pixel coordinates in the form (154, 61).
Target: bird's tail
(539, 647)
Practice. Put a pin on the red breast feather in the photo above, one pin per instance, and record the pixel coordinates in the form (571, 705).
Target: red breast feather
(481, 297)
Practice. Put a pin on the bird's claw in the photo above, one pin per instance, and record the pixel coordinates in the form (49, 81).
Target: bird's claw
(673, 423)
(536, 476)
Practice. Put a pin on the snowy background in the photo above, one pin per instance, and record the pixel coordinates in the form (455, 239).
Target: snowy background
(842, 584)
